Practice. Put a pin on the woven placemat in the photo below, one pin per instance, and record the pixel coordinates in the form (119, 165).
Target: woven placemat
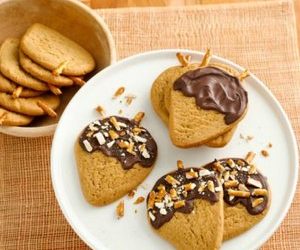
(258, 36)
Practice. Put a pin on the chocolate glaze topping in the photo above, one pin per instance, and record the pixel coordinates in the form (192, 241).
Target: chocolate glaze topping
(126, 141)
(214, 89)
(239, 170)
(163, 204)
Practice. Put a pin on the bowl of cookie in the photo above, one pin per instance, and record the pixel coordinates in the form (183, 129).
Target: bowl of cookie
(49, 49)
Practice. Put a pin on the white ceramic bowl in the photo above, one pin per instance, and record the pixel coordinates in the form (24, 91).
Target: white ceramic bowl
(73, 19)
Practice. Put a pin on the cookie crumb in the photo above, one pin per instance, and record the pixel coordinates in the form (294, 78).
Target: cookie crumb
(139, 200)
(264, 153)
(129, 99)
(120, 112)
(120, 210)
(135, 211)
(249, 138)
(131, 193)
(118, 92)
(100, 110)
(270, 145)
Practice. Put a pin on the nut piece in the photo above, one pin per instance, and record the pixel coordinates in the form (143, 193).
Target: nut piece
(120, 210)
(123, 144)
(252, 169)
(139, 117)
(130, 148)
(179, 204)
(139, 200)
(260, 192)
(230, 184)
(231, 163)
(173, 194)
(238, 193)
(249, 157)
(59, 70)
(218, 166)
(191, 174)
(201, 187)
(257, 202)
(171, 180)
(211, 186)
(183, 59)
(17, 92)
(151, 200)
(49, 111)
(264, 153)
(180, 164)
(100, 110)
(118, 92)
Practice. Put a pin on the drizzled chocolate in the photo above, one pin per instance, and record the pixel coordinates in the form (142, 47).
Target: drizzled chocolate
(214, 89)
(238, 179)
(121, 138)
(176, 192)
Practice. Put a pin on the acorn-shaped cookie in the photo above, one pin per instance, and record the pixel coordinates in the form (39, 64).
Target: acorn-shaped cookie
(247, 195)
(205, 103)
(114, 155)
(160, 98)
(185, 207)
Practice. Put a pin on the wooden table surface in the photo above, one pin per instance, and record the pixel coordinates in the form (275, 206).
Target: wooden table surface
(134, 3)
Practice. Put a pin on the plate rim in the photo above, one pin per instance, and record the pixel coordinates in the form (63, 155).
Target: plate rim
(260, 242)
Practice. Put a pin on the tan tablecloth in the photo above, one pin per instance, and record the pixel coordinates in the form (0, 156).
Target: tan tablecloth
(258, 36)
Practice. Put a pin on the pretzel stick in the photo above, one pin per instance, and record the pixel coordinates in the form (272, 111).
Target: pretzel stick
(55, 90)
(49, 111)
(206, 58)
(59, 70)
(3, 117)
(17, 92)
(183, 59)
(77, 80)
(249, 157)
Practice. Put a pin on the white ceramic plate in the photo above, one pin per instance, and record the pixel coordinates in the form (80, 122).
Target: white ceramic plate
(98, 226)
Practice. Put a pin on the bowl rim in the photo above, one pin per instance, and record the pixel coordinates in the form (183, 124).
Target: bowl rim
(49, 129)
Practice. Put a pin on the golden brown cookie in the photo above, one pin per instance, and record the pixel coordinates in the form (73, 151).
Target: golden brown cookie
(247, 196)
(50, 49)
(10, 68)
(29, 106)
(114, 155)
(158, 91)
(39, 72)
(185, 207)
(8, 118)
(204, 104)
(9, 87)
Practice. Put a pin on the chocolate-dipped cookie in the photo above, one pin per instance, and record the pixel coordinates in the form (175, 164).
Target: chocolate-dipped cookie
(114, 155)
(247, 195)
(205, 103)
(186, 208)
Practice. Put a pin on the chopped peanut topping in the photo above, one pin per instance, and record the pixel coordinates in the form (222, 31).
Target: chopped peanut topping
(211, 186)
(130, 148)
(189, 186)
(191, 174)
(173, 194)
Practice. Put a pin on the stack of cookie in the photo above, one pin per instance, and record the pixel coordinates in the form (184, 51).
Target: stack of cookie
(33, 70)
(201, 103)
(198, 208)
